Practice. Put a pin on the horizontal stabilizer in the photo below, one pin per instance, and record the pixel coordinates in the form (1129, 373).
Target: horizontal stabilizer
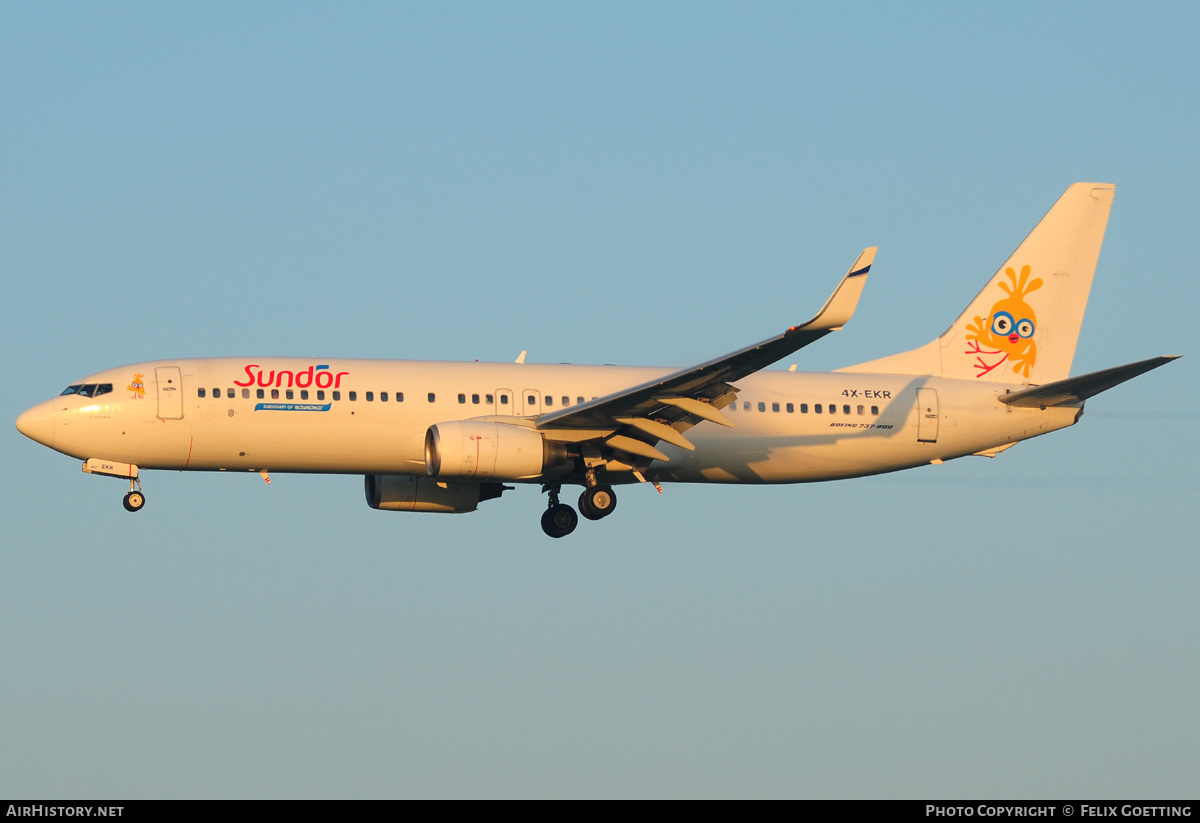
(1078, 389)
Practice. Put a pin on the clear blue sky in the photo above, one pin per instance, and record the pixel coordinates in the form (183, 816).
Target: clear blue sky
(649, 184)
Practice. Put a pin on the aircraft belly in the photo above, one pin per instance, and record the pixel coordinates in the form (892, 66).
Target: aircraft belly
(764, 460)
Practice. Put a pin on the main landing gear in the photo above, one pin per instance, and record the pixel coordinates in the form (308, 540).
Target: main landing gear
(559, 519)
(597, 502)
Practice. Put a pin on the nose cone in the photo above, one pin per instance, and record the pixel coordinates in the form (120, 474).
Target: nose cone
(38, 423)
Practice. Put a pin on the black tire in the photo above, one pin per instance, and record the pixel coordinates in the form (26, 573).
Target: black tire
(597, 502)
(134, 501)
(559, 521)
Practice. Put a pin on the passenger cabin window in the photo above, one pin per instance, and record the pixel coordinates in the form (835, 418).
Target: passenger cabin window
(790, 408)
(337, 395)
(817, 408)
(462, 399)
(549, 400)
(383, 397)
(260, 394)
(530, 400)
(746, 405)
(399, 397)
(199, 392)
(862, 410)
(274, 394)
(566, 400)
(432, 397)
(774, 407)
(504, 400)
(762, 406)
(487, 398)
(832, 408)
(874, 410)
(245, 394)
(804, 408)
(290, 395)
(320, 394)
(475, 399)
(370, 397)
(304, 394)
(353, 395)
(845, 409)
(578, 400)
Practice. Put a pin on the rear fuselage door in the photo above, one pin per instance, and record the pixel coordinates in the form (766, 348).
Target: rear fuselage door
(927, 415)
(170, 392)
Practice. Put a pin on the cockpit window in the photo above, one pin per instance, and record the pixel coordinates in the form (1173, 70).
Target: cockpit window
(88, 389)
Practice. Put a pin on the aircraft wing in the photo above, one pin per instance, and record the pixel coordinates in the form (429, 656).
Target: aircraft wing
(662, 408)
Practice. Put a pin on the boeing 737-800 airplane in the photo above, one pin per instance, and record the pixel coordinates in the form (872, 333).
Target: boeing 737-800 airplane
(443, 437)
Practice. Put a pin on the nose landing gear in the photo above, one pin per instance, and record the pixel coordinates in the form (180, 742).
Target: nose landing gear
(134, 500)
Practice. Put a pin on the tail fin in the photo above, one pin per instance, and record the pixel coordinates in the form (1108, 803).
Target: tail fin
(1023, 326)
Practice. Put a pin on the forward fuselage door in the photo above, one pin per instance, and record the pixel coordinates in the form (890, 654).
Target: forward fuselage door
(927, 415)
(505, 402)
(170, 392)
(533, 402)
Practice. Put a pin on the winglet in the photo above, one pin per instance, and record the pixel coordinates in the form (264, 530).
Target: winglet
(839, 308)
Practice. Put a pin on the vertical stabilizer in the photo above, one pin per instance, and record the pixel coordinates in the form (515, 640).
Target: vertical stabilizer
(1023, 326)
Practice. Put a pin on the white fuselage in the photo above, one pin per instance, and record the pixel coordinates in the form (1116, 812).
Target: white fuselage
(281, 415)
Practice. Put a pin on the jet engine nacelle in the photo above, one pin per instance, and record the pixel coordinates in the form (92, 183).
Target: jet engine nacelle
(406, 493)
(486, 451)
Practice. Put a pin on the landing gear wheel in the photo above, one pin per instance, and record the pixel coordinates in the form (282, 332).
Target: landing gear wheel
(597, 502)
(134, 501)
(559, 520)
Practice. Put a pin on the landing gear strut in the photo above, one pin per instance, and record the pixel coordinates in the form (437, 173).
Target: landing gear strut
(559, 519)
(597, 502)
